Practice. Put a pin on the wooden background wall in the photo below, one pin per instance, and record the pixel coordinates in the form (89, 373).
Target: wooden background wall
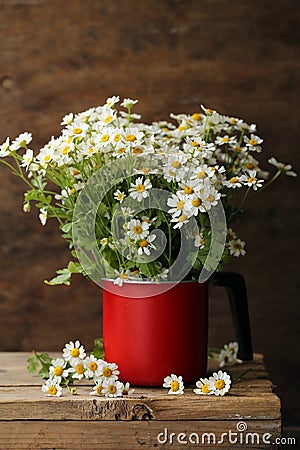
(239, 57)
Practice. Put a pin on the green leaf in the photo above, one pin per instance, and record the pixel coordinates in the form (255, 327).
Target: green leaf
(98, 350)
(42, 359)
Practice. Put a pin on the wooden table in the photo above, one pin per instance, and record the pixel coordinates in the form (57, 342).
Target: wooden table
(149, 418)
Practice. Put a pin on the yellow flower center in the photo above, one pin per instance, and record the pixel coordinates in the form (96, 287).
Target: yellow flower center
(108, 119)
(251, 180)
(72, 191)
(238, 149)
(253, 142)
(65, 151)
(182, 218)
(195, 144)
(197, 202)
(140, 188)
(93, 366)
(196, 116)
(52, 390)
(121, 150)
(171, 173)
(58, 370)
(77, 130)
(225, 139)
(205, 389)
(117, 137)
(107, 372)
(201, 174)
(74, 352)
(210, 198)
(233, 120)
(120, 197)
(79, 369)
(99, 390)
(188, 190)
(76, 172)
(145, 170)
(233, 180)
(130, 138)
(181, 128)
(143, 243)
(137, 229)
(91, 150)
(112, 389)
(250, 166)
(180, 205)
(176, 164)
(105, 138)
(174, 386)
(220, 384)
(123, 276)
(47, 158)
(137, 150)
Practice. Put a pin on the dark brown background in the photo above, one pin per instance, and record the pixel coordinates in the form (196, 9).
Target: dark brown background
(239, 57)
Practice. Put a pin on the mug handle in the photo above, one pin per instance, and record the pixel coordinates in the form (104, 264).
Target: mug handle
(235, 286)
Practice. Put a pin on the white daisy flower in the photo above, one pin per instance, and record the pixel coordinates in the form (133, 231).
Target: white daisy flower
(202, 387)
(113, 388)
(67, 119)
(233, 348)
(27, 158)
(127, 212)
(104, 241)
(137, 229)
(199, 241)
(58, 368)
(98, 388)
(109, 372)
(4, 148)
(146, 244)
(251, 180)
(77, 368)
(118, 195)
(21, 141)
(179, 220)
(177, 202)
(253, 142)
(43, 216)
(236, 247)
(122, 276)
(233, 182)
(225, 357)
(93, 367)
(126, 389)
(139, 189)
(219, 383)
(128, 103)
(285, 168)
(52, 387)
(226, 140)
(73, 350)
(45, 156)
(111, 101)
(174, 383)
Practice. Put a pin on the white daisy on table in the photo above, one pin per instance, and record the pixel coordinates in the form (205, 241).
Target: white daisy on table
(202, 387)
(119, 195)
(93, 367)
(139, 189)
(137, 229)
(21, 141)
(251, 180)
(77, 368)
(73, 350)
(233, 182)
(174, 383)
(113, 388)
(58, 368)
(253, 142)
(219, 383)
(52, 387)
(237, 247)
(126, 389)
(4, 148)
(285, 168)
(109, 372)
(43, 216)
(225, 357)
(146, 244)
(233, 348)
(98, 388)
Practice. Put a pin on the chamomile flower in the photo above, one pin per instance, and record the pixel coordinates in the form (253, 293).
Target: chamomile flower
(126, 389)
(219, 383)
(253, 142)
(202, 387)
(4, 148)
(122, 276)
(93, 366)
(128, 103)
(98, 388)
(52, 387)
(285, 168)
(77, 368)
(21, 141)
(111, 101)
(237, 247)
(137, 229)
(233, 182)
(58, 368)
(43, 216)
(233, 348)
(179, 220)
(109, 372)
(67, 119)
(225, 357)
(144, 245)
(251, 180)
(73, 350)
(177, 202)
(113, 388)
(226, 140)
(27, 158)
(139, 189)
(119, 195)
(174, 384)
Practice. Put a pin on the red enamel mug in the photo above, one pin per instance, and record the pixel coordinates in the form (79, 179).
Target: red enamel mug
(166, 332)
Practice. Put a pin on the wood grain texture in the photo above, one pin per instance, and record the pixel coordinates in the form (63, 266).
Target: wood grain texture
(29, 419)
(241, 59)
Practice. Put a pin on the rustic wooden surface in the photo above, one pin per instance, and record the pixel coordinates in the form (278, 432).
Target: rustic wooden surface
(29, 419)
(242, 59)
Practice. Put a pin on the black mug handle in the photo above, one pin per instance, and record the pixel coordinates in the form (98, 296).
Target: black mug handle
(237, 294)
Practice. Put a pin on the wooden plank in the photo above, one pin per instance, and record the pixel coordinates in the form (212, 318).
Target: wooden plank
(133, 435)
